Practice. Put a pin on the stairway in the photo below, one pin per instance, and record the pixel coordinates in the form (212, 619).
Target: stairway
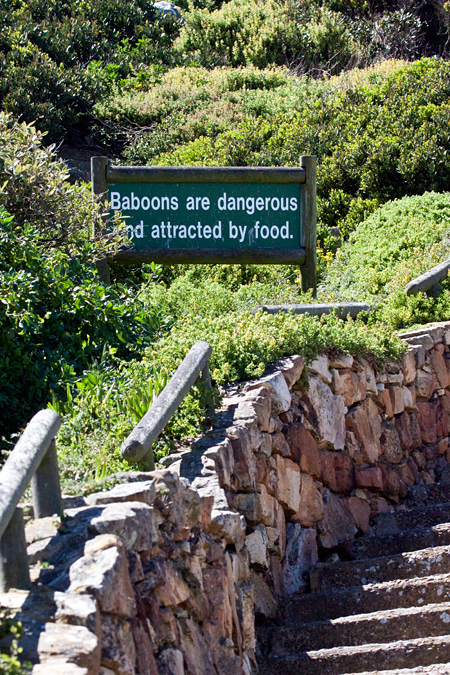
(386, 612)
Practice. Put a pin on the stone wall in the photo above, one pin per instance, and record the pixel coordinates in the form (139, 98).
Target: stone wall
(166, 573)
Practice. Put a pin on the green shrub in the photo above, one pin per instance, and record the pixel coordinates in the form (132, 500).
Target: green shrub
(376, 140)
(240, 33)
(397, 243)
(55, 319)
(10, 663)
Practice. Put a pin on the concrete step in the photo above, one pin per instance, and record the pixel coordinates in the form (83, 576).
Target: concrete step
(418, 516)
(421, 563)
(412, 540)
(407, 623)
(364, 599)
(401, 654)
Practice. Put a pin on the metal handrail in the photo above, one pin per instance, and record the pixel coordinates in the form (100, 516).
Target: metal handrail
(33, 460)
(139, 442)
(429, 281)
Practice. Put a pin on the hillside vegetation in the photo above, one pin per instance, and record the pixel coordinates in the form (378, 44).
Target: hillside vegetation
(234, 83)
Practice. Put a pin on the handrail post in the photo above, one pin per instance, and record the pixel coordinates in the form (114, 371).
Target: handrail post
(14, 572)
(45, 486)
(206, 380)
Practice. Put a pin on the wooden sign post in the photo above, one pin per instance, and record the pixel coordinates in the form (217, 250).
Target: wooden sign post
(214, 214)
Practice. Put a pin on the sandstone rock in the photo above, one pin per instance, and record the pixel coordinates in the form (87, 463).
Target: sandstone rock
(393, 486)
(370, 382)
(58, 667)
(416, 434)
(390, 440)
(255, 406)
(275, 424)
(280, 525)
(330, 413)
(364, 421)
(353, 447)
(75, 644)
(385, 402)
(370, 478)
(301, 555)
(230, 526)
(344, 472)
(256, 544)
(427, 419)
(304, 449)
(262, 468)
(280, 445)
(379, 505)
(223, 456)
(128, 492)
(403, 428)
(320, 367)
(406, 474)
(266, 444)
(174, 590)
(291, 368)
(216, 589)
(359, 509)
(118, 648)
(78, 610)
(438, 366)
(328, 469)
(288, 484)
(145, 658)
(265, 603)
(272, 477)
(273, 541)
(135, 523)
(256, 507)
(42, 528)
(244, 470)
(409, 366)
(245, 606)
(424, 383)
(336, 526)
(311, 508)
(341, 361)
(276, 575)
(347, 384)
(280, 396)
(196, 652)
(104, 574)
(170, 662)
(397, 399)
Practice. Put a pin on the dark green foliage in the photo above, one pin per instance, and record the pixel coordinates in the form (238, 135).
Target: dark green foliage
(57, 59)
(55, 319)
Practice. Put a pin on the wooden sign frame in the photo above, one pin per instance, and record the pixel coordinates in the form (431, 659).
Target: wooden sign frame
(104, 175)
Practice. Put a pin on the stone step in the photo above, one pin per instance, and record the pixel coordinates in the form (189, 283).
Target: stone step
(437, 493)
(406, 623)
(435, 669)
(401, 542)
(361, 659)
(365, 599)
(425, 562)
(418, 516)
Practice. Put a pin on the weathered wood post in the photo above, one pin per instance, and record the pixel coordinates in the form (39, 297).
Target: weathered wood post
(28, 462)
(99, 167)
(45, 486)
(309, 220)
(14, 572)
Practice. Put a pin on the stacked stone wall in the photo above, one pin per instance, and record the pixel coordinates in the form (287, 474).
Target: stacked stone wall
(173, 567)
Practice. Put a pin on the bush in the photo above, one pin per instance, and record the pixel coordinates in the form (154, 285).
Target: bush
(397, 243)
(35, 190)
(55, 320)
(381, 139)
(241, 33)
